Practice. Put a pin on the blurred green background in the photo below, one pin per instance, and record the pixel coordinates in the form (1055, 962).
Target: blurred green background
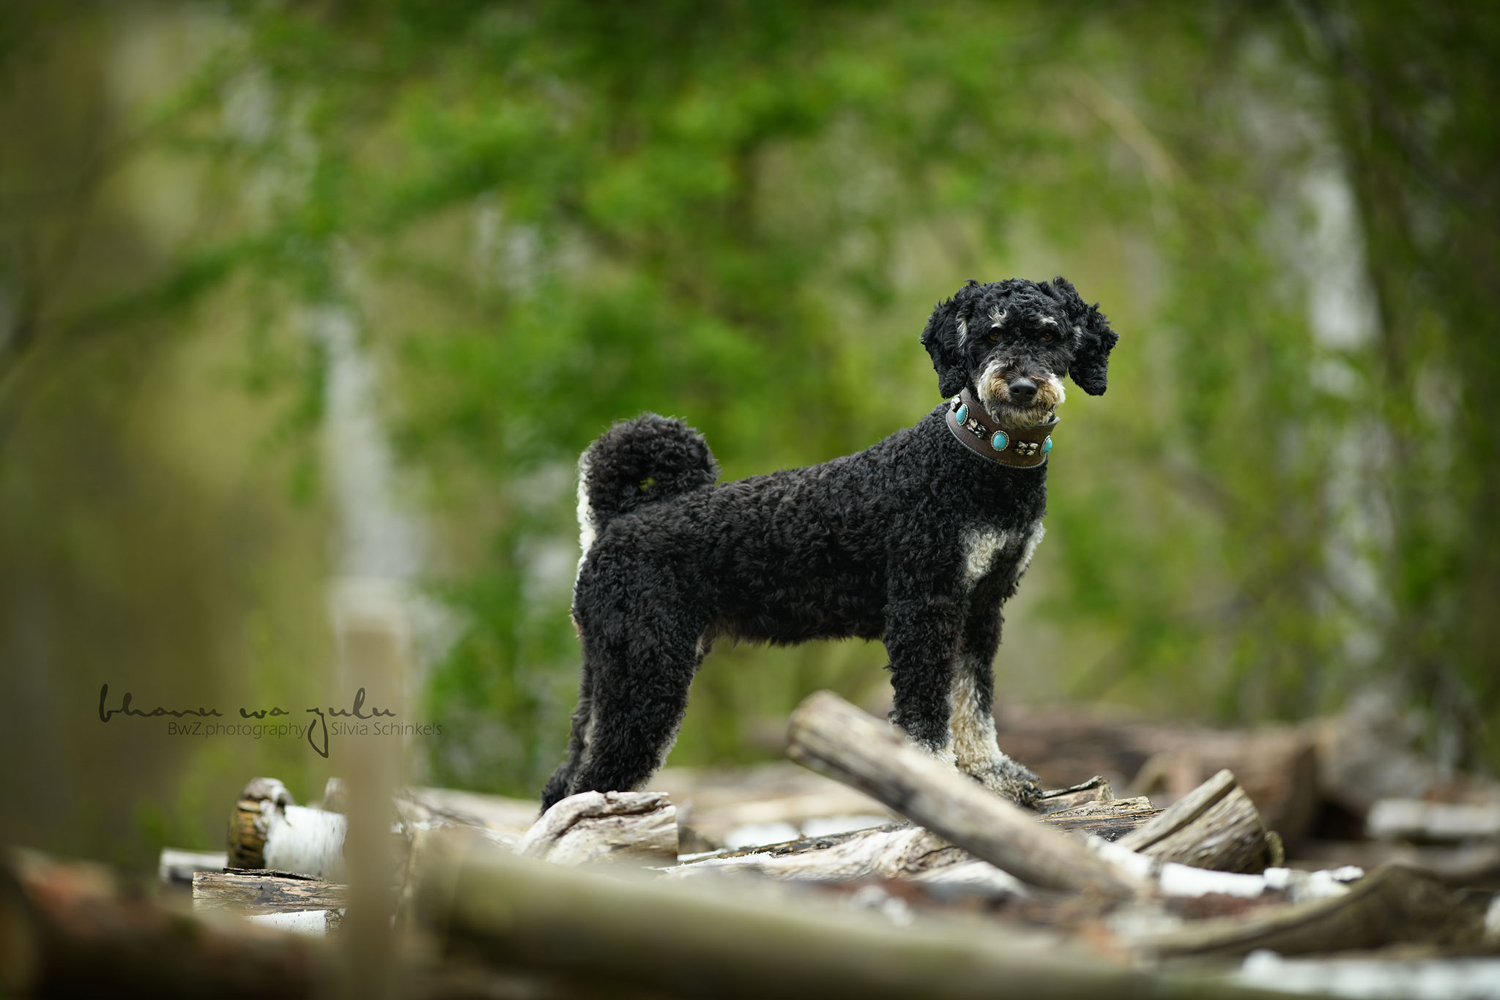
(303, 297)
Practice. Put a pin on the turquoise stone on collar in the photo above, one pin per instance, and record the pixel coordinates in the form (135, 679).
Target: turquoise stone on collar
(999, 440)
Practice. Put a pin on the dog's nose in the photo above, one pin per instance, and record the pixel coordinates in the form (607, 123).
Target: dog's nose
(1022, 390)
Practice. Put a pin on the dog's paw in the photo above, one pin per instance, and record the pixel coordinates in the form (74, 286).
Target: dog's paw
(1015, 781)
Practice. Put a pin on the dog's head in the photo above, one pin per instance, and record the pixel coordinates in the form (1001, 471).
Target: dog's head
(1012, 341)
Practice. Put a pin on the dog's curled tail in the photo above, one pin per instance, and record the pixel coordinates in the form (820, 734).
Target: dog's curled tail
(638, 462)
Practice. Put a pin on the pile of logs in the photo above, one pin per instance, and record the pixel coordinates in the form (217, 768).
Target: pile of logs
(878, 870)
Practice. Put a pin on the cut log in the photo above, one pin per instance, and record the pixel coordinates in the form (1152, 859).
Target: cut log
(627, 827)
(1214, 826)
(247, 830)
(690, 939)
(269, 831)
(248, 892)
(1393, 904)
(833, 737)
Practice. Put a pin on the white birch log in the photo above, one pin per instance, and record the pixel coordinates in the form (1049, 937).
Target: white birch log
(305, 841)
(269, 831)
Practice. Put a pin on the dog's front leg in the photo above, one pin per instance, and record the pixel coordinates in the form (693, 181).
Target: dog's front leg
(944, 686)
(971, 708)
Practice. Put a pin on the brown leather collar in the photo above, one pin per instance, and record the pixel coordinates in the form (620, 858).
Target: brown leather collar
(1021, 448)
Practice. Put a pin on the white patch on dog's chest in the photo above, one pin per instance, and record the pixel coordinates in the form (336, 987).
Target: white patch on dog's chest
(983, 546)
(1033, 538)
(980, 549)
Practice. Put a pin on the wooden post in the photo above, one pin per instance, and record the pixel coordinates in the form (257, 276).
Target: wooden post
(370, 623)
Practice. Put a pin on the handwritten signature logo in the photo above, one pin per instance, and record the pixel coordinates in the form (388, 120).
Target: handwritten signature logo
(317, 729)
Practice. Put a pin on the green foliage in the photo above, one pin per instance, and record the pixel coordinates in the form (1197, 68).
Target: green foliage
(551, 215)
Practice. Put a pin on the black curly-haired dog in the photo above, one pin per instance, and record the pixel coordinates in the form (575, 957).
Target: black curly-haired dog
(918, 539)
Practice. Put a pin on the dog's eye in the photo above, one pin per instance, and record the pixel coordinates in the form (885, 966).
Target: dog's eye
(994, 334)
(1047, 338)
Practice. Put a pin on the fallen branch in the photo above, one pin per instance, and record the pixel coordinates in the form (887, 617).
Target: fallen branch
(1393, 904)
(833, 737)
(910, 851)
(632, 827)
(684, 939)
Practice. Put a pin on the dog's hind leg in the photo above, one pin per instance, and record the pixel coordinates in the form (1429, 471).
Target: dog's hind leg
(641, 675)
(578, 738)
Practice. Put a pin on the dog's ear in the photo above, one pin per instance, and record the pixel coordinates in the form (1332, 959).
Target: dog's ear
(943, 343)
(1095, 339)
